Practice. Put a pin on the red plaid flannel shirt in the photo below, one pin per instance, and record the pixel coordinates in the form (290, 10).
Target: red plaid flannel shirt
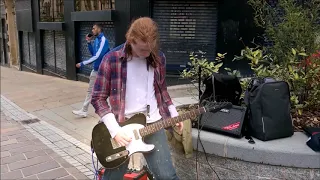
(111, 83)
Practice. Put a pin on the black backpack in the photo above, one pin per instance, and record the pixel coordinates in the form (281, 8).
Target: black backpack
(268, 105)
(222, 87)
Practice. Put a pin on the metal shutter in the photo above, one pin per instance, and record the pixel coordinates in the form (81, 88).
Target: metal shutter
(54, 52)
(32, 44)
(83, 51)
(29, 50)
(186, 26)
(25, 48)
(60, 51)
(48, 51)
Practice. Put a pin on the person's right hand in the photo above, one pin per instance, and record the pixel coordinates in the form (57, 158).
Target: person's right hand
(88, 39)
(122, 139)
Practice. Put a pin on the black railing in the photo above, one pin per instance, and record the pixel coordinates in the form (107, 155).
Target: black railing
(92, 5)
(51, 10)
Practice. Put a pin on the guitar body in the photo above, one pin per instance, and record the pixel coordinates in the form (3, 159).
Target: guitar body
(109, 154)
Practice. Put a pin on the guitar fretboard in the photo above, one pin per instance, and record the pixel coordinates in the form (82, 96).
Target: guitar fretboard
(150, 129)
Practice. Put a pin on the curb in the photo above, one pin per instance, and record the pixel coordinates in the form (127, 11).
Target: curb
(182, 87)
(289, 152)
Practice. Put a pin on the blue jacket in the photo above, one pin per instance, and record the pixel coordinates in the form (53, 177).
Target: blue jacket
(99, 49)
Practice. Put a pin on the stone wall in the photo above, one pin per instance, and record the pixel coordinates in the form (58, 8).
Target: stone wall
(12, 32)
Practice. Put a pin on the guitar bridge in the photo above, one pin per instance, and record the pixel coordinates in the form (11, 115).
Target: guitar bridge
(136, 135)
(114, 144)
(117, 156)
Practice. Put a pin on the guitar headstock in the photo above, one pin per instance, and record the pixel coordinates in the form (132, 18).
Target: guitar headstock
(215, 106)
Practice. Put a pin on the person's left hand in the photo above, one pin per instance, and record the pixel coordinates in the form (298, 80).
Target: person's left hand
(78, 65)
(180, 126)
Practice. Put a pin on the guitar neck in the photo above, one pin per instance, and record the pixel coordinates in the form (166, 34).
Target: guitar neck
(157, 126)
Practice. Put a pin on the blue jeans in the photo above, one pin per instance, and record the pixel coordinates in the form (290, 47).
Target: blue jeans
(159, 160)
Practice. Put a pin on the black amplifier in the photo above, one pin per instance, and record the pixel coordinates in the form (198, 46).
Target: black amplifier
(226, 121)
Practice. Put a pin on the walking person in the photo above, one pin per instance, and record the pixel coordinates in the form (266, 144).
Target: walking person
(98, 50)
(133, 78)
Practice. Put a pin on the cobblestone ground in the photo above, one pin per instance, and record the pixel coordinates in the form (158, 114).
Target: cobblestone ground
(34, 149)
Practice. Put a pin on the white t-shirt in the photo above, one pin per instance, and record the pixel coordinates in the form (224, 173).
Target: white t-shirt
(139, 93)
(140, 90)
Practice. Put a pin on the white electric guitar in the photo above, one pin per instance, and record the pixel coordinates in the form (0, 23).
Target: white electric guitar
(111, 155)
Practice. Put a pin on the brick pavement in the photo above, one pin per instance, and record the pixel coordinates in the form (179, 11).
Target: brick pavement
(25, 137)
(52, 100)
(24, 156)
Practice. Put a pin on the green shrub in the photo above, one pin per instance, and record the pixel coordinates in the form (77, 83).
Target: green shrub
(207, 67)
(293, 56)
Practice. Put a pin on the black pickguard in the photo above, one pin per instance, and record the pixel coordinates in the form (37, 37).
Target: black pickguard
(102, 145)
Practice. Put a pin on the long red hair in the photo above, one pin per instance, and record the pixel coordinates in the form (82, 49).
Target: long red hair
(146, 30)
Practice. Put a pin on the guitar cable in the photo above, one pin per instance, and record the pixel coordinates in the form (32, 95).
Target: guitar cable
(95, 169)
(205, 153)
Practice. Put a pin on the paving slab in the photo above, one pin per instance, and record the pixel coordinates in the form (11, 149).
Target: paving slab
(39, 156)
(30, 160)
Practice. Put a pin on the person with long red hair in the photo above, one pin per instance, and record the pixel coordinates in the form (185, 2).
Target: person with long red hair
(133, 78)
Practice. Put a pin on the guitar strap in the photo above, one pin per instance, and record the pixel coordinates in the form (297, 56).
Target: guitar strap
(158, 84)
(148, 87)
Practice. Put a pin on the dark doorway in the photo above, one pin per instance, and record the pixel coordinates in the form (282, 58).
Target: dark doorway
(235, 23)
(4, 43)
